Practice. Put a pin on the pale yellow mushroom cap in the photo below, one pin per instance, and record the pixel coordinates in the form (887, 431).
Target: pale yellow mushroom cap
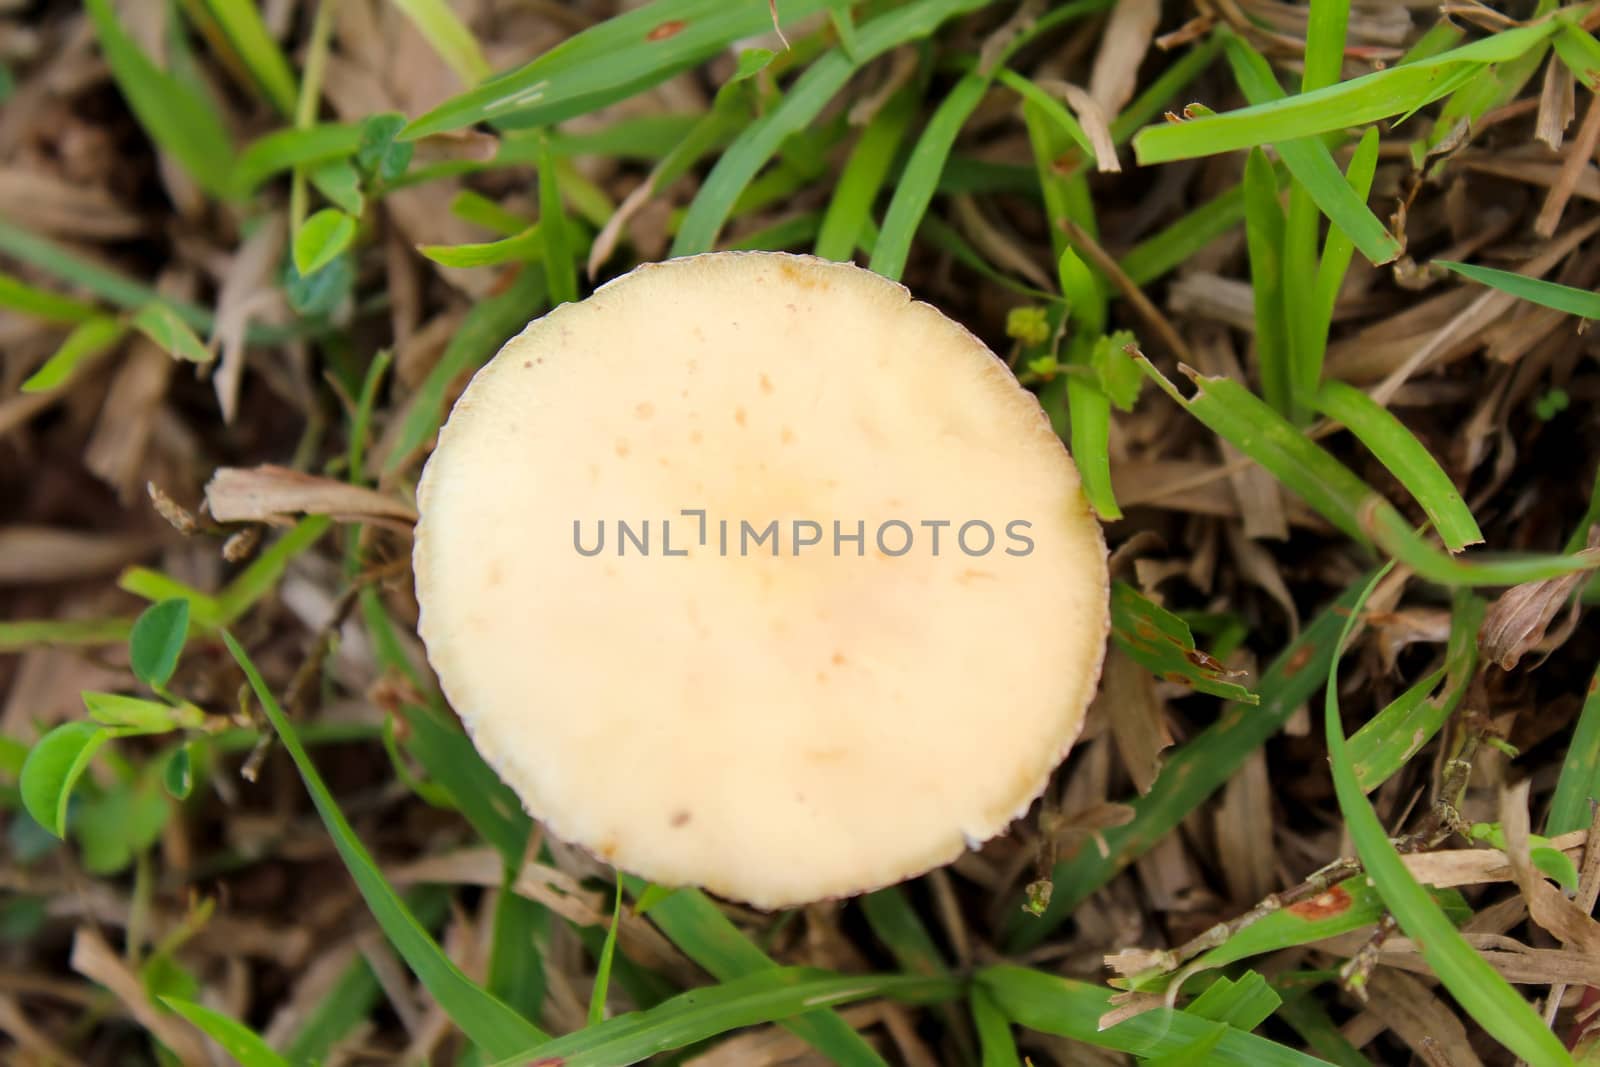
(775, 729)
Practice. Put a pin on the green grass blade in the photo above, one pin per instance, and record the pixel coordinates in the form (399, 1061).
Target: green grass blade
(995, 1043)
(356, 992)
(516, 958)
(1309, 160)
(19, 634)
(863, 176)
(176, 114)
(1264, 228)
(261, 577)
(485, 328)
(526, 246)
(895, 922)
(1477, 987)
(1192, 772)
(608, 952)
(1577, 49)
(914, 190)
(240, 1042)
(1316, 312)
(1578, 788)
(1316, 1028)
(449, 36)
(1072, 1009)
(561, 274)
(1165, 249)
(1351, 905)
(693, 923)
(25, 299)
(701, 1013)
(483, 799)
(163, 326)
(804, 101)
(617, 58)
(1582, 302)
(1405, 457)
(1249, 424)
(1162, 644)
(87, 342)
(1357, 102)
(1244, 1004)
(247, 33)
(1245, 421)
(487, 1021)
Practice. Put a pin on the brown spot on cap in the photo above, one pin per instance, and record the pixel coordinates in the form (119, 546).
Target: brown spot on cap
(680, 817)
(622, 448)
(766, 384)
(645, 410)
(738, 416)
(670, 28)
(838, 659)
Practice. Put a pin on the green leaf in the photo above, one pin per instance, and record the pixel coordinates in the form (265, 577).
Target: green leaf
(88, 341)
(801, 105)
(998, 1047)
(1190, 773)
(484, 1019)
(699, 928)
(614, 59)
(1380, 95)
(340, 182)
(114, 826)
(25, 299)
(560, 272)
(322, 237)
(1072, 1009)
(157, 641)
(701, 1013)
(863, 176)
(1264, 228)
(291, 147)
(1487, 997)
(178, 773)
(133, 713)
(1244, 1004)
(1582, 302)
(1547, 858)
(1116, 370)
(920, 176)
(1161, 643)
(247, 32)
(53, 768)
(485, 329)
(176, 114)
(1406, 458)
(1349, 905)
(527, 246)
(1311, 163)
(449, 36)
(159, 322)
(315, 295)
(380, 154)
(1579, 785)
(602, 974)
(244, 1045)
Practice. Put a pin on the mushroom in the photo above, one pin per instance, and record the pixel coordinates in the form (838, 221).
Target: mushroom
(751, 573)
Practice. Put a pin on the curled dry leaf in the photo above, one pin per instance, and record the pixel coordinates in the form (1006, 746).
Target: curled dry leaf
(274, 494)
(1547, 905)
(1518, 621)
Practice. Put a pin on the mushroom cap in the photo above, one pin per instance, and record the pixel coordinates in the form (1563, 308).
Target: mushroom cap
(778, 719)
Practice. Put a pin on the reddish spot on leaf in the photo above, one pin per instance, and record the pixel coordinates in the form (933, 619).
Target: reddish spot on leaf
(1298, 661)
(1205, 661)
(1174, 676)
(667, 29)
(1335, 901)
(548, 1061)
(1147, 631)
